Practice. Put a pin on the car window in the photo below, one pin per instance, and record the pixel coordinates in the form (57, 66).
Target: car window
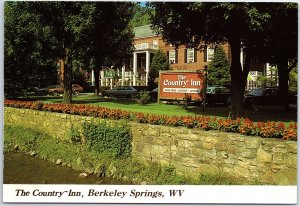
(225, 90)
(275, 92)
(257, 92)
(218, 90)
(268, 92)
(127, 88)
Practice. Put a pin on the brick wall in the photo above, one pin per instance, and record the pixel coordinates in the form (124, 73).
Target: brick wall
(199, 64)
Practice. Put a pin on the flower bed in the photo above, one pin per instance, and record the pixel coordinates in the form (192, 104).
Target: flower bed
(243, 126)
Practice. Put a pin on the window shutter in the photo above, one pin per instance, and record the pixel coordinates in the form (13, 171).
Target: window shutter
(205, 53)
(176, 56)
(168, 56)
(185, 55)
(195, 55)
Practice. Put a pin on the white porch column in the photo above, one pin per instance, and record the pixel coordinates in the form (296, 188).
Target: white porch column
(134, 68)
(242, 58)
(147, 66)
(102, 78)
(131, 78)
(93, 78)
(123, 75)
(111, 83)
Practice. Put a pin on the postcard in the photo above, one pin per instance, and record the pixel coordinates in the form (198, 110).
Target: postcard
(150, 102)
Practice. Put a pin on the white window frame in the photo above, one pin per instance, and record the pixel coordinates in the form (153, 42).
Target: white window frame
(172, 56)
(190, 55)
(210, 53)
(143, 62)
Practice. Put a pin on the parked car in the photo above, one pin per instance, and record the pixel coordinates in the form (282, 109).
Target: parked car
(121, 91)
(43, 90)
(217, 95)
(265, 96)
(57, 89)
(153, 95)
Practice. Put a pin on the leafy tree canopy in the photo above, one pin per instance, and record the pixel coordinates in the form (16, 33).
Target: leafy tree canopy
(240, 24)
(141, 15)
(159, 63)
(219, 69)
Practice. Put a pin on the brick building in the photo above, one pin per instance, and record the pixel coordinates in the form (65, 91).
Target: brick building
(146, 43)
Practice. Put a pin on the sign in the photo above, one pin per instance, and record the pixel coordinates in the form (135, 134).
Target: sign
(110, 73)
(179, 85)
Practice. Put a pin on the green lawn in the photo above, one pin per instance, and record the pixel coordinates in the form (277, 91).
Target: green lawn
(167, 109)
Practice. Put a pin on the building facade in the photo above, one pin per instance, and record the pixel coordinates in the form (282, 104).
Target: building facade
(135, 72)
(146, 42)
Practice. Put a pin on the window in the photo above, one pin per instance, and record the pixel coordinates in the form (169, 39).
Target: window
(210, 53)
(172, 57)
(131, 63)
(190, 55)
(143, 62)
(155, 42)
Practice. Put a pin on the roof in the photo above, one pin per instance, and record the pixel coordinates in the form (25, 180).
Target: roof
(143, 31)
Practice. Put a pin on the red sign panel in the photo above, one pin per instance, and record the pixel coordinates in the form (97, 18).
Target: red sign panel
(180, 85)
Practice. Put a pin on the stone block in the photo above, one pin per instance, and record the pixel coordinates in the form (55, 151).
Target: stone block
(207, 146)
(285, 177)
(221, 146)
(139, 146)
(149, 139)
(249, 153)
(291, 147)
(197, 151)
(198, 144)
(242, 172)
(252, 143)
(208, 169)
(278, 158)
(232, 149)
(280, 148)
(224, 155)
(291, 160)
(263, 156)
(211, 154)
(179, 130)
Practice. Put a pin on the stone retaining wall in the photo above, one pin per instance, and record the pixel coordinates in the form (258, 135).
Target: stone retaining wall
(191, 151)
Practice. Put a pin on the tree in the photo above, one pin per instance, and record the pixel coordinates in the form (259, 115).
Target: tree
(236, 23)
(85, 33)
(109, 38)
(141, 16)
(279, 43)
(293, 80)
(219, 69)
(26, 53)
(159, 63)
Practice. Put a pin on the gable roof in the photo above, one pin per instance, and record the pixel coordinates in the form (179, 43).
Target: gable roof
(143, 31)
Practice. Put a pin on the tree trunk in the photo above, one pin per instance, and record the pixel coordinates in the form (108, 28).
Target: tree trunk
(96, 87)
(67, 78)
(283, 73)
(237, 83)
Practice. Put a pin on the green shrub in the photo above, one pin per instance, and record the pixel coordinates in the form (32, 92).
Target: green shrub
(103, 138)
(39, 105)
(26, 139)
(75, 135)
(144, 98)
